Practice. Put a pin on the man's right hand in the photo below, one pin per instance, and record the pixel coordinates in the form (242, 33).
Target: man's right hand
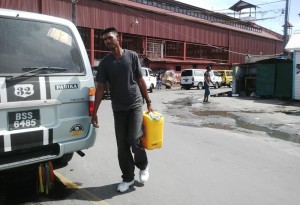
(95, 121)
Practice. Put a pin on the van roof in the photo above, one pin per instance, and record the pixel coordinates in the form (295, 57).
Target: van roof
(35, 16)
(194, 69)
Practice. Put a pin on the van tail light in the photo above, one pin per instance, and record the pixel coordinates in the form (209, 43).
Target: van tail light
(92, 92)
(193, 79)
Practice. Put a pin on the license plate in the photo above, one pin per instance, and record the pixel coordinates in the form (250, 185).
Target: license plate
(24, 119)
(186, 80)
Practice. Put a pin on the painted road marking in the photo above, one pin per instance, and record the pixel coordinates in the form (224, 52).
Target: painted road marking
(82, 192)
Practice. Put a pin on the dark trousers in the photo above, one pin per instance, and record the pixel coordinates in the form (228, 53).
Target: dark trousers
(128, 129)
(206, 88)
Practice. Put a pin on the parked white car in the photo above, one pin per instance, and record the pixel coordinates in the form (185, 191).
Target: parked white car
(149, 78)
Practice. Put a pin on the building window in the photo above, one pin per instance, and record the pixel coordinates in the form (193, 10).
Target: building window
(154, 48)
(133, 43)
(178, 68)
(174, 49)
(100, 49)
(85, 34)
(192, 51)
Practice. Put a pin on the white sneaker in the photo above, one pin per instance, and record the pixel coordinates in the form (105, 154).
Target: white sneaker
(144, 175)
(124, 186)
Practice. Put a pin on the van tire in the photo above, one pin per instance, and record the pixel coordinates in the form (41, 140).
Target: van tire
(217, 85)
(150, 89)
(199, 86)
(64, 159)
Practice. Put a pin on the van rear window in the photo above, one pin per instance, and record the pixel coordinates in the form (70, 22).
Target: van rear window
(32, 44)
(187, 73)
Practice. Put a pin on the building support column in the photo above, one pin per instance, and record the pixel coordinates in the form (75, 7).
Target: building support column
(121, 39)
(74, 11)
(92, 60)
(184, 51)
(40, 6)
(145, 46)
(228, 45)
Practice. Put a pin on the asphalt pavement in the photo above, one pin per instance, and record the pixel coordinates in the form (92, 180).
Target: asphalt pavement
(277, 118)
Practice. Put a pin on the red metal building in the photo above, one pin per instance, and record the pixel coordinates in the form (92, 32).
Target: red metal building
(166, 34)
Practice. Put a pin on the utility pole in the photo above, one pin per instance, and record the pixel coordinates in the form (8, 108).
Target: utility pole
(285, 34)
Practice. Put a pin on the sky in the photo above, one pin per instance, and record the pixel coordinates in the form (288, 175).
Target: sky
(269, 14)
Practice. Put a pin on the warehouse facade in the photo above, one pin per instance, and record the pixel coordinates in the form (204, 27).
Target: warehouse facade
(166, 34)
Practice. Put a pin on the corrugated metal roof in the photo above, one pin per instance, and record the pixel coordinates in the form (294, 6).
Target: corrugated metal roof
(242, 5)
(187, 61)
(190, 18)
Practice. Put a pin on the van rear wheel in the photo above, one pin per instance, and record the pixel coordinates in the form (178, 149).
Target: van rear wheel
(64, 159)
(217, 85)
(151, 90)
(199, 86)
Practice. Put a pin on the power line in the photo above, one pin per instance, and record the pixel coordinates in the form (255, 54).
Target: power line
(270, 2)
(259, 12)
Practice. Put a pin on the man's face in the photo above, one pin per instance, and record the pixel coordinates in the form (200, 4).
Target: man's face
(110, 40)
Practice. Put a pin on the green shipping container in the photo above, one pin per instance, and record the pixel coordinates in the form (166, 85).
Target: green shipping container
(284, 80)
(265, 79)
(274, 80)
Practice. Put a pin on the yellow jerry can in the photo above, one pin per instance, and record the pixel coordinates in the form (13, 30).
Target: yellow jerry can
(153, 124)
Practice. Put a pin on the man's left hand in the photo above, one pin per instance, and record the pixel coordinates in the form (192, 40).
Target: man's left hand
(149, 107)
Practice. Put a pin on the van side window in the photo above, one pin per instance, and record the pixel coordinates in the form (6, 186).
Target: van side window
(229, 73)
(216, 73)
(199, 73)
(144, 72)
(29, 44)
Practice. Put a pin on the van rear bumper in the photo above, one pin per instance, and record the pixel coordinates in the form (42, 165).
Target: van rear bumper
(20, 158)
(79, 144)
(187, 84)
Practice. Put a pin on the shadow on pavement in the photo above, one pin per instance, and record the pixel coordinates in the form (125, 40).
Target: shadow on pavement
(20, 187)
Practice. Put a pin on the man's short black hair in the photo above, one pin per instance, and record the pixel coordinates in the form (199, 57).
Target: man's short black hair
(208, 67)
(111, 29)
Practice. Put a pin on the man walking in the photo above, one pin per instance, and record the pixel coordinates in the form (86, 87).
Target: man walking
(122, 69)
(207, 80)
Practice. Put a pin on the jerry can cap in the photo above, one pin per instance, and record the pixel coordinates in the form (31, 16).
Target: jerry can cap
(155, 115)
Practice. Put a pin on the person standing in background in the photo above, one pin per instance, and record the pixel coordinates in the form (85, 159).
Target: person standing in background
(158, 81)
(207, 80)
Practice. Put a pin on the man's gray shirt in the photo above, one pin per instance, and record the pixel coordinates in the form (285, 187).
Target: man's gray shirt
(122, 75)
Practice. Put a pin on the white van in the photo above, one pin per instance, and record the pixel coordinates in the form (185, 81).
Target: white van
(47, 90)
(216, 78)
(149, 78)
(192, 78)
